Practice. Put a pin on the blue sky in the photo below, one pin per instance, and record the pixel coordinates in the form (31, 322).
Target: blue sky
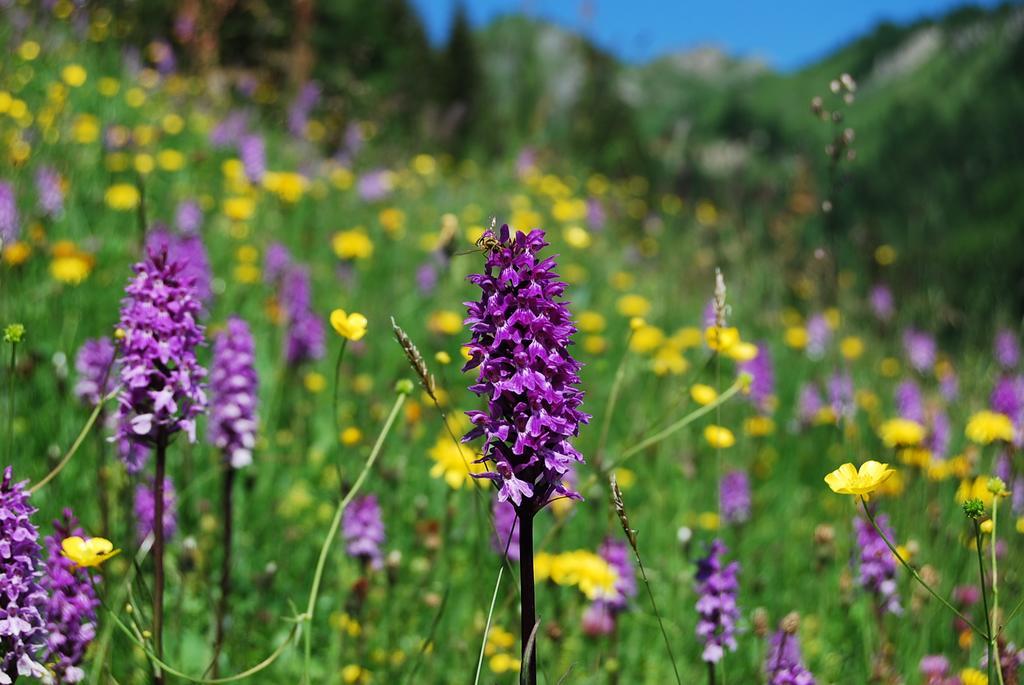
(785, 33)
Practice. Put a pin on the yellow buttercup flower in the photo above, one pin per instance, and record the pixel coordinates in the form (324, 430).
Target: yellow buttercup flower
(503, 663)
(719, 437)
(703, 394)
(72, 269)
(354, 244)
(669, 360)
(901, 433)
(742, 351)
(848, 480)
(455, 465)
(646, 339)
(16, 253)
(287, 185)
(972, 676)
(759, 426)
(74, 75)
(721, 339)
(986, 427)
(851, 347)
(796, 337)
(122, 197)
(239, 208)
(633, 305)
(87, 553)
(589, 321)
(350, 436)
(351, 326)
(445, 321)
(314, 382)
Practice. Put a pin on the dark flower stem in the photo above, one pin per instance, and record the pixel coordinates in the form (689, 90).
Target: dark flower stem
(227, 500)
(158, 555)
(711, 673)
(527, 595)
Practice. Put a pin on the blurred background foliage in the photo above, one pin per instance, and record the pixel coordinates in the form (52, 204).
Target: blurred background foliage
(936, 120)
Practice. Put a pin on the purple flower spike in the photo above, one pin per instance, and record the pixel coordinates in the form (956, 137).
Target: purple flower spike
(22, 598)
(909, 402)
(145, 510)
(96, 373)
(734, 494)
(363, 530)
(162, 382)
(1007, 349)
(717, 586)
(882, 303)
(877, 567)
(190, 251)
(520, 344)
(784, 663)
(188, 218)
(252, 152)
(70, 608)
(234, 384)
(9, 227)
(762, 384)
(921, 349)
(50, 192)
(306, 337)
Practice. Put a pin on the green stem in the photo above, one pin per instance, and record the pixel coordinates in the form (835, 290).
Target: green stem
(74, 446)
(994, 629)
(914, 574)
(654, 605)
(314, 591)
(487, 626)
(10, 405)
(984, 595)
(337, 386)
(681, 423)
(609, 410)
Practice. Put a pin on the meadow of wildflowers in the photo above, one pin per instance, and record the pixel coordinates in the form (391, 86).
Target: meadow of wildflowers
(278, 406)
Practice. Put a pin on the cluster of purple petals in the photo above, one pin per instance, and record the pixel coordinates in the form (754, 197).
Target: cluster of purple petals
(94, 365)
(253, 153)
(70, 607)
(520, 344)
(161, 380)
(841, 396)
(935, 669)
(189, 250)
(818, 336)
(949, 385)
(877, 566)
(276, 263)
(9, 227)
(762, 384)
(22, 597)
(145, 509)
(506, 529)
(1008, 398)
(229, 130)
(599, 617)
(49, 192)
(363, 530)
(940, 433)
(301, 107)
(374, 186)
(881, 301)
(1007, 349)
(188, 217)
(909, 401)
(234, 388)
(718, 612)
(808, 403)
(306, 337)
(734, 497)
(783, 663)
(920, 349)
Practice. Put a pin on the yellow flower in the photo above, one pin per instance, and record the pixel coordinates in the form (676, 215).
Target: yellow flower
(28, 50)
(172, 123)
(443, 358)
(314, 382)
(170, 160)
(74, 75)
(708, 520)
(985, 427)
(633, 305)
(759, 426)
(719, 437)
(742, 351)
(354, 244)
(721, 339)
(351, 326)
(16, 253)
(87, 553)
(976, 489)
(247, 273)
(796, 337)
(144, 163)
(595, 344)
(669, 360)
(703, 394)
(454, 464)
(646, 339)
(901, 433)
(445, 321)
(392, 220)
(589, 321)
(350, 436)
(885, 255)
(889, 367)
(851, 347)
(239, 208)
(287, 185)
(847, 480)
(503, 663)
(353, 674)
(577, 236)
(972, 676)
(122, 197)
(73, 268)
(85, 129)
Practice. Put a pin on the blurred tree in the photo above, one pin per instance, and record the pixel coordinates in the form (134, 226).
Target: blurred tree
(460, 85)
